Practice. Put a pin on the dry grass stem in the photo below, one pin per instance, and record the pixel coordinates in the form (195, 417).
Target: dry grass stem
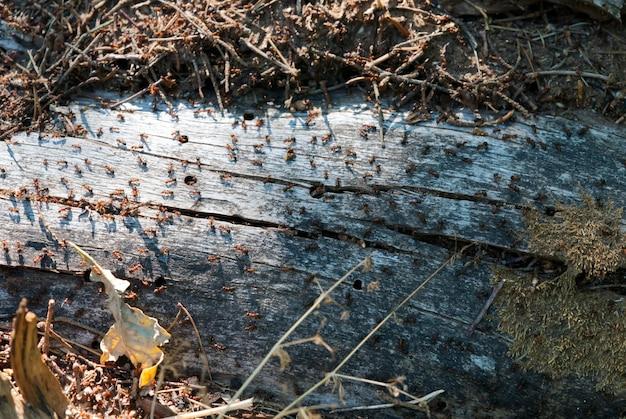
(375, 329)
(365, 263)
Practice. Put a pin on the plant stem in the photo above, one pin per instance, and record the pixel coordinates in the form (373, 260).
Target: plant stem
(293, 327)
(380, 324)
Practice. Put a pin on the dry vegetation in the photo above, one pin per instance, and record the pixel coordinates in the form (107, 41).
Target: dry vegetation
(587, 237)
(573, 324)
(563, 330)
(74, 386)
(545, 60)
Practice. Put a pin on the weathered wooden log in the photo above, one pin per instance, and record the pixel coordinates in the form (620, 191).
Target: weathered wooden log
(237, 214)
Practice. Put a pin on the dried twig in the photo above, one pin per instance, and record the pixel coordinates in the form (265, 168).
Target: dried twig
(182, 308)
(379, 111)
(318, 302)
(483, 311)
(391, 387)
(79, 325)
(220, 410)
(136, 95)
(48, 327)
(283, 66)
(517, 106)
(216, 87)
(383, 73)
(205, 31)
(75, 62)
(372, 332)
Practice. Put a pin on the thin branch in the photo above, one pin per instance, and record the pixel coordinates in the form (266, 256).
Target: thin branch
(383, 73)
(204, 30)
(136, 95)
(380, 324)
(389, 405)
(318, 302)
(77, 324)
(244, 404)
(216, 87)
(379, 111)
(391, 387)
(74, 63)
(48, 327)
(195, 328)
(483, 311)
(286, 68)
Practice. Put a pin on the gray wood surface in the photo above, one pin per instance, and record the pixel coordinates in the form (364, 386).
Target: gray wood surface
(276, 223)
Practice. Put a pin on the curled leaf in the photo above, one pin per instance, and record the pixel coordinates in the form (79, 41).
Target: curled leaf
(133, 334)
(99, 274)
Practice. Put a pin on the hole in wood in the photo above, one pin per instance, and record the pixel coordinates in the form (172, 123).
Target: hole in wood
(190, 180)
(248, 116)
(86, 275)
(122, 361)
(357, 284)
(550, 211)
(160, 281)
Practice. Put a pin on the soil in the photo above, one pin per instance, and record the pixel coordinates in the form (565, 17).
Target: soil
(95, 391)
(419, 55)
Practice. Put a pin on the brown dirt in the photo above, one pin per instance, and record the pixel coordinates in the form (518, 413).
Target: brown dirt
(436, 62)
(96, 391)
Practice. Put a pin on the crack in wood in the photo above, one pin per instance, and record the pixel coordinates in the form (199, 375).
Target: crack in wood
(128, 208)
(318, 190)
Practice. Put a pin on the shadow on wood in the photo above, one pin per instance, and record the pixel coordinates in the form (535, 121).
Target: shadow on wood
(225, 224)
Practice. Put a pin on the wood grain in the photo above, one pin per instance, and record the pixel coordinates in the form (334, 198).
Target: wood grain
(249, 225)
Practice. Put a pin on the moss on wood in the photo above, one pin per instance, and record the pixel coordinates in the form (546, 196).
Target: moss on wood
(564, 326)
(588, 237)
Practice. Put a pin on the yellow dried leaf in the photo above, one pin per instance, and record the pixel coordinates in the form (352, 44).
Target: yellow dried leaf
(133, 334)
(148, 374)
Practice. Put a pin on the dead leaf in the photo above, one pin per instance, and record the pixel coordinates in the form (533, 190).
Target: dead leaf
(7, 405)
(133, 334)
(38, 386)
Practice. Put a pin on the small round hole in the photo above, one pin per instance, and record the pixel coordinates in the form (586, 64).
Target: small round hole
(160, 281)
(248, 116)
(357, 284)
(190, 180)
(550, 211)
(86, 275)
